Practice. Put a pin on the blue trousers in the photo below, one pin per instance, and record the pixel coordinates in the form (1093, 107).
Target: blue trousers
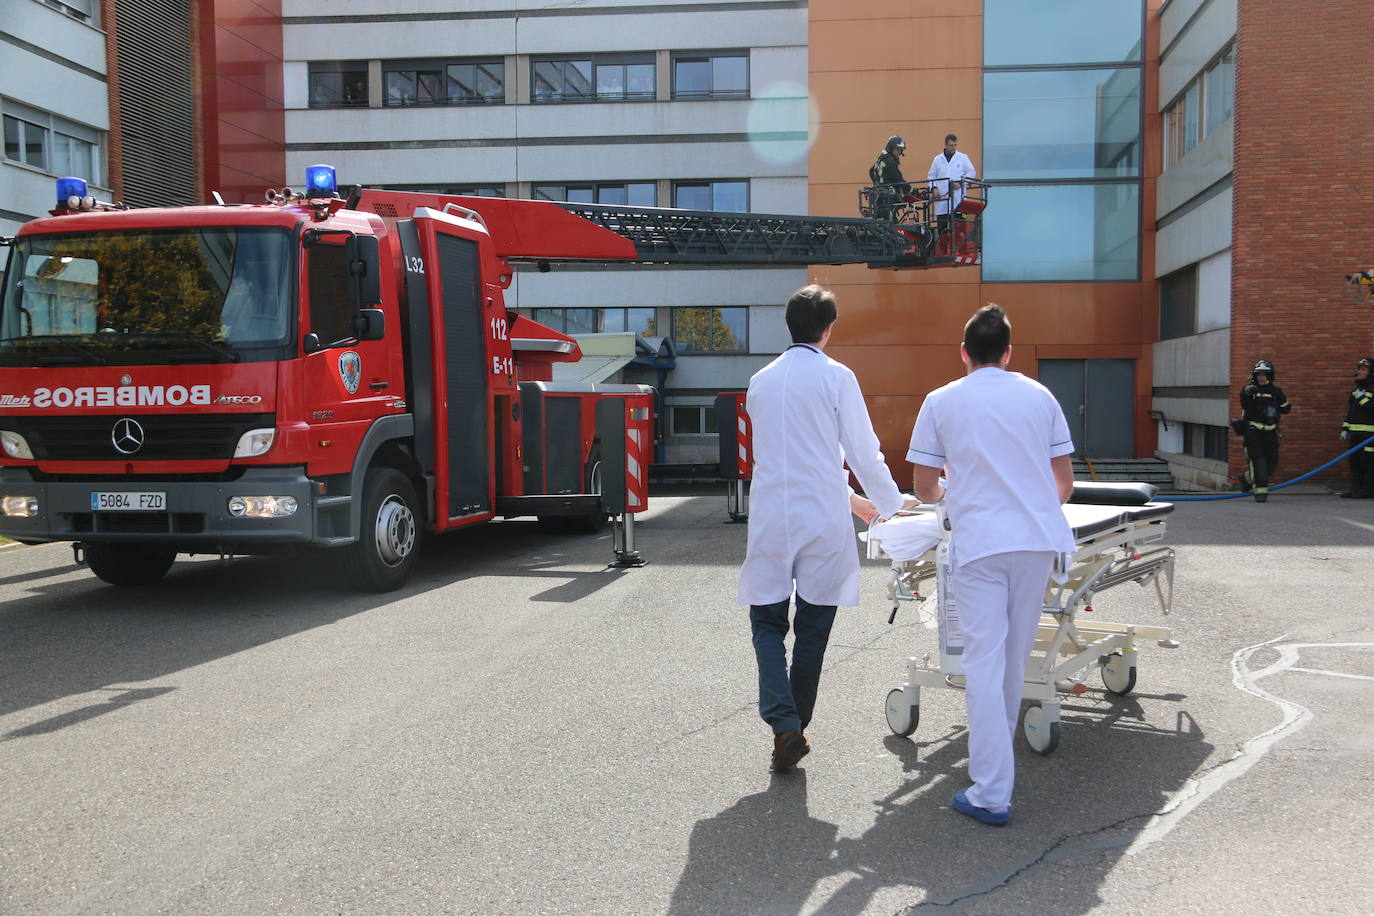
(787, 698)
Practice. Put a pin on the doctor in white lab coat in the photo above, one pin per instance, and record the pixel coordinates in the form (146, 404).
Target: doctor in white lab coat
(947, 171)
(809, 420)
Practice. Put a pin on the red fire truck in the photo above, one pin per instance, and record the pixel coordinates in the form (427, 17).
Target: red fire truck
(314, 372)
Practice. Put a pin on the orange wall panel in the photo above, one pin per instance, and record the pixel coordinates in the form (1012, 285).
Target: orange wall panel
(896, 43)
(827, 10)
(908, 95)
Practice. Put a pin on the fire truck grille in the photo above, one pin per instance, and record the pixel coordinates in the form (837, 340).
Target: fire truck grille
(133, 523)
(155, 437)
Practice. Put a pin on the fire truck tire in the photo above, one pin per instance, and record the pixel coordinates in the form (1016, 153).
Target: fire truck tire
(129, 564)
(381, 558)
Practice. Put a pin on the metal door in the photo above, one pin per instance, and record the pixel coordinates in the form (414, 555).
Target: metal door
(1097, 397)
(465, 376)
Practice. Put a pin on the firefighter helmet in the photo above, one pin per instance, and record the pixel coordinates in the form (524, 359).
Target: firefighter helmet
(1262, 367)
(896, 142)
(1366, 363)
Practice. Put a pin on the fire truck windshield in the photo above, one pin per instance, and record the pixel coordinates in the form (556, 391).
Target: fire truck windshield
(145, 297)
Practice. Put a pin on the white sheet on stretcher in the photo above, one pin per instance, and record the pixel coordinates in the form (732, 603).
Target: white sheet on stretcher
(906, 537)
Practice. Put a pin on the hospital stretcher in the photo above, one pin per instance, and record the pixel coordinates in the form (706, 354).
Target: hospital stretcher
(1118, 533)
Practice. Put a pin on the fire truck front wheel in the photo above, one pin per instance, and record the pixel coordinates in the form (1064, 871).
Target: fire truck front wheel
(129, 564)
(381, 558)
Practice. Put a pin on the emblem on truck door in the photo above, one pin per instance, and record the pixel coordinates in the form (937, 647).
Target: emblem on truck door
(127, 436)
(350, 370)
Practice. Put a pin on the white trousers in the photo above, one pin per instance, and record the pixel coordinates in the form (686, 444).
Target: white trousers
(999, 600)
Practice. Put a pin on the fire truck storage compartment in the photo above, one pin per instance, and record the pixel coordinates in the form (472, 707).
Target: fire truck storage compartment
(466, 374)
(552, 446)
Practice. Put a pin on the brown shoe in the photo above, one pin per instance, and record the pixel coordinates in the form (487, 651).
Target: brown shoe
(789, 747)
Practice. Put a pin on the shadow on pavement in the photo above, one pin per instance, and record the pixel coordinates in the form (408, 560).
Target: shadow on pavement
(1083, 804)
(65, 632)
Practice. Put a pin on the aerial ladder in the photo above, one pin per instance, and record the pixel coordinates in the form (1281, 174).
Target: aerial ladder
(907, 237)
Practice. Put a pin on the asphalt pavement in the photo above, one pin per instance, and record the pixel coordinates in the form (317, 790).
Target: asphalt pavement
(524, 729)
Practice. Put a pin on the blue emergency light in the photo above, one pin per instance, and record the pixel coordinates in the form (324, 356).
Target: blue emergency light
(321, 181)
(69, 187)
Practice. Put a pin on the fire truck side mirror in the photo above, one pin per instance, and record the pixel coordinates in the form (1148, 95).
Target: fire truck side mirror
(364, 266)
(370, 324)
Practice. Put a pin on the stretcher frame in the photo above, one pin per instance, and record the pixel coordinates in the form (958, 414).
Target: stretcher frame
(1066, 647)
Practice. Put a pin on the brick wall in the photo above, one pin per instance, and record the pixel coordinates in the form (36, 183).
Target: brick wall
(1303, 213)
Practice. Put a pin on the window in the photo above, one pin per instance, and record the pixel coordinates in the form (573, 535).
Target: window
(1178, 303)
(639, 320)
(438, 82)
(1061, 123)
(476, 83)
(603, 78)
(464, 190)
(1061, 31)
(1205, 105)
(338, 84)
(561, 81)
(599, 321)
(414, 87)
(331, 307)
(706, 75)
(692, 419)
(47, 142)
(80, 10)
(730, 196)
(1221, 90)
(1062, 90)
(711, 329)
(26, 142)
(1203, 441)
(624, 193)
(1067, 231)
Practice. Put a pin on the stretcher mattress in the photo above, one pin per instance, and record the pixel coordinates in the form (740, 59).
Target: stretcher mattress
(909, 537)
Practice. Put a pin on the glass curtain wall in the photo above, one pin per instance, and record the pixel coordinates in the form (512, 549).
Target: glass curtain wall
(1062, 139)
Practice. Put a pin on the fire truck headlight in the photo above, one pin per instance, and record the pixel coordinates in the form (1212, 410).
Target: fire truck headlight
(262, 506)
(255, 442)
(16, 446)
(19, 506)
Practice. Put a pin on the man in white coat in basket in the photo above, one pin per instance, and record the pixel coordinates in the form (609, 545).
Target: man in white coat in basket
(809, 420)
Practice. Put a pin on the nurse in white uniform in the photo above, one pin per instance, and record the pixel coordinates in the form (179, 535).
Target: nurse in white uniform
(809, 420)
(1001, 440)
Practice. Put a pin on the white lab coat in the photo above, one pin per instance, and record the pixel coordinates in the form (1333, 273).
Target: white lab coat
(808, 419)
(942, 170)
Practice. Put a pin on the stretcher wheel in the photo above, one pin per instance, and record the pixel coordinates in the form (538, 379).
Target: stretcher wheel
(1041, 731)
(1118, 674)
(902, 716)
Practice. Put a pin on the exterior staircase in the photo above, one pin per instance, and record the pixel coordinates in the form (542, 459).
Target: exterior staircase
(1143, 470)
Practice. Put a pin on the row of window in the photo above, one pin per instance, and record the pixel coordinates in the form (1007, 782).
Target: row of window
(729, 195)
(585, 78)
(1204, 105)
(696, 328)
(47, 142)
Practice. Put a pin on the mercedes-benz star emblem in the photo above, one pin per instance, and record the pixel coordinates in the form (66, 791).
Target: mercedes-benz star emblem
(127, 436)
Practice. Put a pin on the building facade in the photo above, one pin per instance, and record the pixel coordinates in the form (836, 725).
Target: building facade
(1056, 105)
(54, 103)
(1194, 200)
(674, 104)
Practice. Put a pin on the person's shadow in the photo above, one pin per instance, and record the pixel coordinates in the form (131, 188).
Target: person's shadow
(765, 845)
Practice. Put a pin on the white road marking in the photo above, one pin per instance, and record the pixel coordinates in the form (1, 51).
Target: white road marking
(1295, 717)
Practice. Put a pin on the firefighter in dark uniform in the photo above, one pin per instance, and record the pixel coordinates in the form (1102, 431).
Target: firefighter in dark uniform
(1261, 404)
(889, 186)
(1359, 426)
